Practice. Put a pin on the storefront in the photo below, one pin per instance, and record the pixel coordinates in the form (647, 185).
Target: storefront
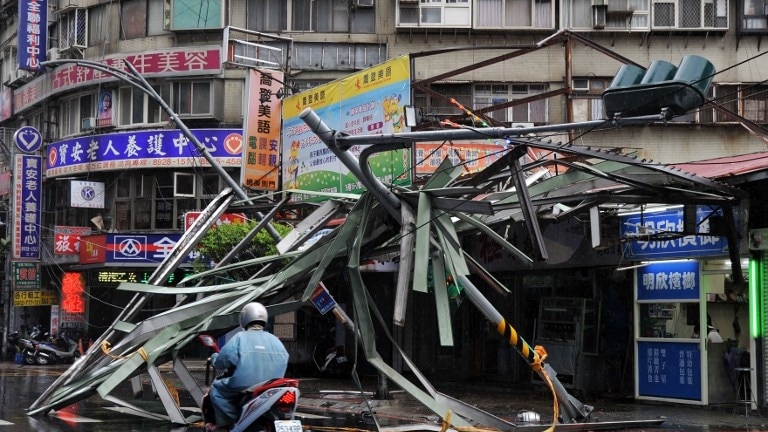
(692, 343)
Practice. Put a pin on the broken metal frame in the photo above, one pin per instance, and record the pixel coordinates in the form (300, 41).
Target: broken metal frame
(158, 339)
(338, 143)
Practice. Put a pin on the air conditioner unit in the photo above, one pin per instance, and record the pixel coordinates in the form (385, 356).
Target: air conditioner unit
(53, 54)
(619, 6)
(599, 17)
(88, 123)
(522, 125)
(16, 77)
(363, 3)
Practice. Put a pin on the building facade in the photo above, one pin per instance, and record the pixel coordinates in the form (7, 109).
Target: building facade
(196, 55)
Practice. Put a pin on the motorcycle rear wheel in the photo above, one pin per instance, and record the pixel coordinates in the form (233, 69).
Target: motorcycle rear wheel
(42, 360)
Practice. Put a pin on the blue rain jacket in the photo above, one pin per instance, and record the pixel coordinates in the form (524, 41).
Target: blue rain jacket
(253, 356)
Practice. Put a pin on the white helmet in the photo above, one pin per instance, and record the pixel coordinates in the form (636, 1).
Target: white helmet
(253, 312)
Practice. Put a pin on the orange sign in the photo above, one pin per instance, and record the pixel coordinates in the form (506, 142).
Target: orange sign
(261, 155)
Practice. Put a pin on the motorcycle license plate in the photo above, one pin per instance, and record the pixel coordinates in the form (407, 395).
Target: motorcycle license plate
(341, 359)
(287, 426)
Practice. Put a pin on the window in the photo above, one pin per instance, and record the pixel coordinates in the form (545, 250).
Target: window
(486, 95)
(192, 98)
(133, 19)
(183, 184)
(690, 14)
(73, 110)
(628, 15)
(73, 29)
(435, 108)
(514, 14)
(327, 16)
(753, 15)
(747, 100)
(587, 100)
(141, 18)
(434, 13)
(148, 201)
(136, 107)
(194, 14)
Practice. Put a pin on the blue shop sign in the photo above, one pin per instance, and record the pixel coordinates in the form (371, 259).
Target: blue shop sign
(640, 229)
(149, 149)
(669, 369)
(673, 280)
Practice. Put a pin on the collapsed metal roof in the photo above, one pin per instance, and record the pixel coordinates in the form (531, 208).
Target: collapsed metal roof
(421, 226)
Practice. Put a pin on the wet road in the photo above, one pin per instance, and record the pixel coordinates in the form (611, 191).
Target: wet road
(322, 410)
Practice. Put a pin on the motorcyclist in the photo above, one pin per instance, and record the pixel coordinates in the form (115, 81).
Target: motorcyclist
(251, 356)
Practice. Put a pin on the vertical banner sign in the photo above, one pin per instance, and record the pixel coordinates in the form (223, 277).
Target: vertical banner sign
(33, 33)
(369, 102)
(261, 158)
(26, 212)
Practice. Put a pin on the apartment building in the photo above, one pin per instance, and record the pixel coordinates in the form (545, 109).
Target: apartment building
(494, 57)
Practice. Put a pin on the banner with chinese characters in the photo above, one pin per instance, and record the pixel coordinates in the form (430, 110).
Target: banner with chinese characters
(669, 369)
(129, 249)
(27, 185)
(26, 274)
(224, 219)
(24, 298)
(72, 293)
(167, 148)
(652, 235)
(66, 239)
(367, 102)
(33, 34)
(168, 63)
(261, 153)
(669, 280)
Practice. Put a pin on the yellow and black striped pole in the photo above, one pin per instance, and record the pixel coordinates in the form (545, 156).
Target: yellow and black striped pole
(573, 409)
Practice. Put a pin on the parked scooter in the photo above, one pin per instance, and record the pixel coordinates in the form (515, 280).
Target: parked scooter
(28, 345)
(329, 358)
(60, 349)
(334, 363)
(266, 407)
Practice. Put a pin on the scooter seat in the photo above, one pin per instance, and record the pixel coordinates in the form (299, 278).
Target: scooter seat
(276, 382)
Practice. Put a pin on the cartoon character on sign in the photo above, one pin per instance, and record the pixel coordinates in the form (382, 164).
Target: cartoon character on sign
(293, 166)
(393, 114)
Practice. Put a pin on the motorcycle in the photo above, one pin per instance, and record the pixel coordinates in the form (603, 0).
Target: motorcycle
(334, 363)
(28, 345)
(266, 407)
(60, 349)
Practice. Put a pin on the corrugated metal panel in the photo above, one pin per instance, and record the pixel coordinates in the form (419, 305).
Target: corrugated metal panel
(731, 166)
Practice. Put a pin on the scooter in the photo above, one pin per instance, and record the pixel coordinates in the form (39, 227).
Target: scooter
(29, 345)
(335, 363)
(266, 407)
(61, 349)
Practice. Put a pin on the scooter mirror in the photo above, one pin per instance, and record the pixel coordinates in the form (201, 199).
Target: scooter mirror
(208, 341)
